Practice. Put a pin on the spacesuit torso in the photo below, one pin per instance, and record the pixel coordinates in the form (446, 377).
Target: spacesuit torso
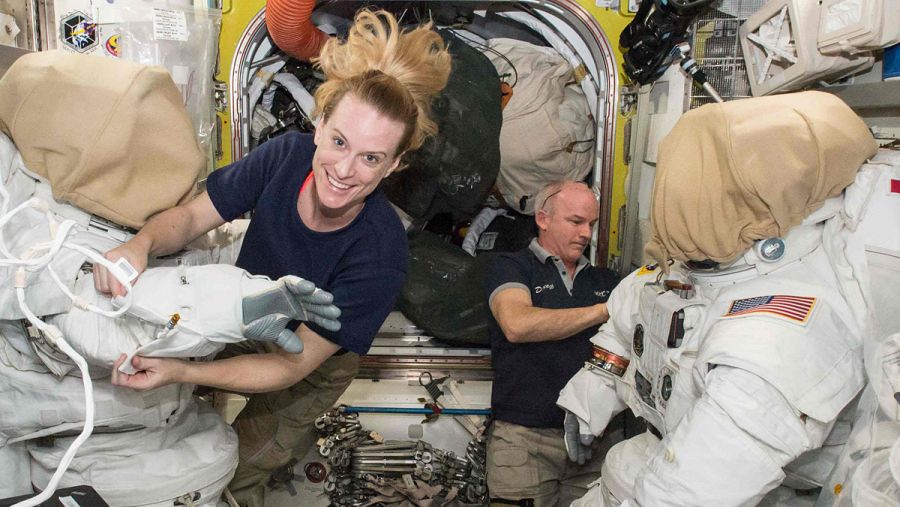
(784, 324)
(795, 331)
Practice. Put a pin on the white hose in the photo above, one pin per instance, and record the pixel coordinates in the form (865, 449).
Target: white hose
(4, 204)
(6, 216)
(82, 437)
(60, 232)
(300, 94)
(113, 269)
(55, 335)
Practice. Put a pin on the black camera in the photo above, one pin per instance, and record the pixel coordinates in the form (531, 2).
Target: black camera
(649, 41)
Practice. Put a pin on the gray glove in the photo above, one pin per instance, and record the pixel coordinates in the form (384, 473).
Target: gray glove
(267, 313)
(578, 445)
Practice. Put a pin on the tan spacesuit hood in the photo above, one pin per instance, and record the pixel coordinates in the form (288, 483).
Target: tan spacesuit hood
(733, 173)
(112, 137)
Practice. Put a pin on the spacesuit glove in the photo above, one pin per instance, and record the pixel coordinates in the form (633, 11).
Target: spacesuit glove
(578, 444)
(266, 313)
(273, 328)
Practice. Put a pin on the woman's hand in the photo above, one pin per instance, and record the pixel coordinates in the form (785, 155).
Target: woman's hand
(134, 253)
(152, 372)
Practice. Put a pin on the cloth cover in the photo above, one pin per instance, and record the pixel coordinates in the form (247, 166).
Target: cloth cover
(713, 196)
(548, 132)
(112, 137)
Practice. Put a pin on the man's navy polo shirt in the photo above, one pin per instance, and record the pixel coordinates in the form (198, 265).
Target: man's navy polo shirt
(529, 376)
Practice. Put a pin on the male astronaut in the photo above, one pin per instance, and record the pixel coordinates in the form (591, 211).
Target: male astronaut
(546, 301)
(743, 344)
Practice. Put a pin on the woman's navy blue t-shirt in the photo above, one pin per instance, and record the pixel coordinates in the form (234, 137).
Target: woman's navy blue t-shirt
(363, 264)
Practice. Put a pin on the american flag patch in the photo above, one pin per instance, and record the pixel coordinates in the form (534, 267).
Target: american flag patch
(795, 308)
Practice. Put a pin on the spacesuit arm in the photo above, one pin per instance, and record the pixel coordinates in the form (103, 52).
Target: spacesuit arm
(248, 373)
(590, 395)
(590, 399)
(729, 449)
(165, 233)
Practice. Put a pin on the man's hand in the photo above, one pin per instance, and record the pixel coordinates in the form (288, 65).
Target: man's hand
(152, 372)
(266, 313)
(105, 282)
(578, 444)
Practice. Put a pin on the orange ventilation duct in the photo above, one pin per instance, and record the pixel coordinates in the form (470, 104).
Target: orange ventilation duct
(290, 27)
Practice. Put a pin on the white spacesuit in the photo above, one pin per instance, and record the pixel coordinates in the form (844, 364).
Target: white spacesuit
(744, 354)
(868, 470)
(59, 338)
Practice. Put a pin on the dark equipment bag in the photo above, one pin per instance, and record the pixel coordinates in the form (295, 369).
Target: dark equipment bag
(507, 233)
(444, 291)
(454, 171)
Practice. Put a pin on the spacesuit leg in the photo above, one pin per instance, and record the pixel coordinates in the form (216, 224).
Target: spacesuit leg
(622, 465)
(274, 427)
(15, 471)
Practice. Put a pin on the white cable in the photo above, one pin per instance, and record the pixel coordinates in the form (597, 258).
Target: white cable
(53, 247)
(114, 270)
(55, 336)
(299, 93)
(4, 197)
(51, 332)
(6, 216)
(86, 306)
(82, 437)
(60, 233)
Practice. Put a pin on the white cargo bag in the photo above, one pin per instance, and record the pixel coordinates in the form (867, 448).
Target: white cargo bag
(37, 404)
(780, 48)
(548, 132)
(195, 454)
(852, 26)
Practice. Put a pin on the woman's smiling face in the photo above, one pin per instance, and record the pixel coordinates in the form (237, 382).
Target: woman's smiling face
(355, 149)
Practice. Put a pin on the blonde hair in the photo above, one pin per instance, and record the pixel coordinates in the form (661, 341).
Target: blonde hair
(397, 72)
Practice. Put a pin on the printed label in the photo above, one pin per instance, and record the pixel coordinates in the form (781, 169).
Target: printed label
(169, 24)
(486, 240)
